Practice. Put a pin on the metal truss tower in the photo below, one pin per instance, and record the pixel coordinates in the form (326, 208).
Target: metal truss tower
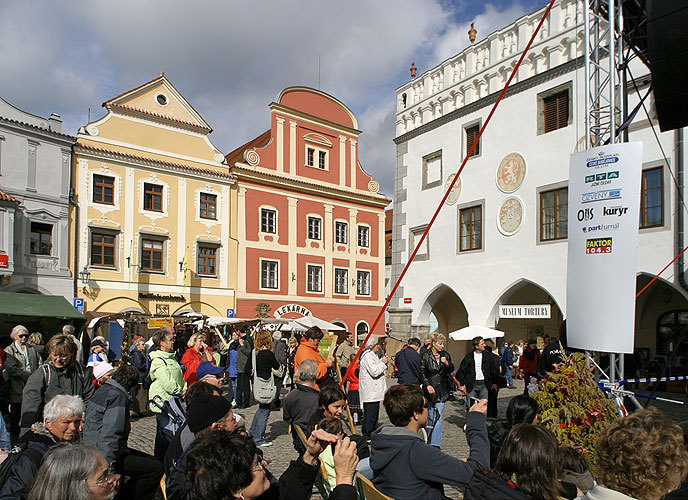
(604, 92)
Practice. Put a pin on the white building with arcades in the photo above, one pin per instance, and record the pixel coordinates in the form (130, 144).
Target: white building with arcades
(501, 237)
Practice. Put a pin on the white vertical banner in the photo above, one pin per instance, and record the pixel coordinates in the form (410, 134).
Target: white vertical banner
(603, 214)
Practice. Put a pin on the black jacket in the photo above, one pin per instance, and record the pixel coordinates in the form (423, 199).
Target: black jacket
(436, 374)
(407, 361)
(551, 355)
(138, 361)
(37, 442)
(466, 372)
(486, 485)
(295, 484)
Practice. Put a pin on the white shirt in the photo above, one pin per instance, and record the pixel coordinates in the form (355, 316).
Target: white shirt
(478, 357)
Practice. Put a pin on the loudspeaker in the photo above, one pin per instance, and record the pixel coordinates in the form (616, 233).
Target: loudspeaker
(667, 44)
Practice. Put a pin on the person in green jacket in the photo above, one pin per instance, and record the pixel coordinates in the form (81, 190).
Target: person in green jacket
(167, 381)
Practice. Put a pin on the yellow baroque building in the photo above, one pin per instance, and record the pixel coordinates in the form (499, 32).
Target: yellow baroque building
(154, 217)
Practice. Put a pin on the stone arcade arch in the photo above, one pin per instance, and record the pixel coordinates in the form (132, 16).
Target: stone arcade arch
(451, 314)
(526, 292)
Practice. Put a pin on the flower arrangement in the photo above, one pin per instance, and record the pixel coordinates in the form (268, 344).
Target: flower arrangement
(572, 406)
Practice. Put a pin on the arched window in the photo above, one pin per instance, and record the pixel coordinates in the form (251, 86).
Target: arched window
(361, 331)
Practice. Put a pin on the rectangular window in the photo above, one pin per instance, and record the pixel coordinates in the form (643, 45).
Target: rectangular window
(554, 207)
(268, 274)
(471, 137)
(556, 111)
(363, 236)
(41, 239)
(415, 234)
(314, 228)
(206, 260)
(322, 156)
(152, 197)
(341, 232)
(268, 221)
(310, 157)
(103, 249)
(208, 208)
(151, 255)
(314, 281)
(363, 282)
(103, 189)
(471, 224)
(652, 198)
(341, 281)
(432, 170)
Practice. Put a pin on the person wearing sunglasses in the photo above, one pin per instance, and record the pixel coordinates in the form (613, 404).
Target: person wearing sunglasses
(62, 374)
(22, 360)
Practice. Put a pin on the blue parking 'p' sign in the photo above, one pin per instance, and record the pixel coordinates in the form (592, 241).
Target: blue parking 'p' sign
(79, 304)
(230, 313)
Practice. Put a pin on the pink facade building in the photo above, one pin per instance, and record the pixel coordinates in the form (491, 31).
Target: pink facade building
(311, 223)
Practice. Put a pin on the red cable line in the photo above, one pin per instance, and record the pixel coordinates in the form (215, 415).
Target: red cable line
(446, 194)
(660, 272)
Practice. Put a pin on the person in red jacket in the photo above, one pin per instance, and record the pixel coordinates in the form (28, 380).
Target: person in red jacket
(352, 396)
(197, 353)
(528, 362)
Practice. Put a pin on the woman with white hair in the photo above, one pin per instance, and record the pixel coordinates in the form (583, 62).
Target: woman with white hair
(76, 472)
(62, 417)
(22, 360)
(372, 384)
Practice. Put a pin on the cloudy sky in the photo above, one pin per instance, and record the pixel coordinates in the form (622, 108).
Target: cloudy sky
(230, 58)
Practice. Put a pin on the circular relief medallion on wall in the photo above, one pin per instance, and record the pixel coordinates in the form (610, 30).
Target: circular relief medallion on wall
(373, 186)
(252, 157)
(455, 192)
(511, 172)
(510, 216)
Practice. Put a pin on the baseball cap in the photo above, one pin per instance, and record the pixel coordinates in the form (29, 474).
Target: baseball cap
(207, 368)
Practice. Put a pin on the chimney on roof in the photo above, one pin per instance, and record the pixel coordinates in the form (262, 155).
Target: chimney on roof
(471, 33)
(413, 70)
(55, 122)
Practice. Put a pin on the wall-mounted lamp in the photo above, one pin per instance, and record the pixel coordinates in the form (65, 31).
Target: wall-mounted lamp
(353, 281)
(181, 266)
(85, 276)
(293, 277)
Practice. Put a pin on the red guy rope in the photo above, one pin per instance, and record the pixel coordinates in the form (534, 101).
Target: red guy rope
(660, 272)
(446, 194)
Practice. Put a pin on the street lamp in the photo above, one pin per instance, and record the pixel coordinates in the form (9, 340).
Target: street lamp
(85, 276)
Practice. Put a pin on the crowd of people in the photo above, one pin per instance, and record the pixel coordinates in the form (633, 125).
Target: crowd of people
(69, 418)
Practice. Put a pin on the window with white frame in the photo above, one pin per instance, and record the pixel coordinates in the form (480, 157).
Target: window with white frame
(363, 282)
(314, 278)
(152, 251)
(269, 274)
(341, 281)
(363, 236)
(268, 220)
(103, 245)
(362, 330)
(314, 228)
(206, 260)
(316, 158)
(341, 232)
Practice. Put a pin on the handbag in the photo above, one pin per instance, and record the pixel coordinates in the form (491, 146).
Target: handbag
(264, 390)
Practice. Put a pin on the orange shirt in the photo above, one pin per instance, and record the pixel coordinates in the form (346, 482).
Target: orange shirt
(307, 350)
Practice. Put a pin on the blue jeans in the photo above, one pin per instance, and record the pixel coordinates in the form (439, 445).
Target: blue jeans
(259, 423)
(435, 418)
(509, 374)
(233, 383)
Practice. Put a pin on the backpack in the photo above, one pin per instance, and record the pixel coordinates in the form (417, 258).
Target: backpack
(12, 456)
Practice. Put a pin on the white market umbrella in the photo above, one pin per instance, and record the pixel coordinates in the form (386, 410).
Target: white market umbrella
(472, 331)
(308, 321)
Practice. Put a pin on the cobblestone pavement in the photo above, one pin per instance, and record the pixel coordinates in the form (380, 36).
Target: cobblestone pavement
(453, 439)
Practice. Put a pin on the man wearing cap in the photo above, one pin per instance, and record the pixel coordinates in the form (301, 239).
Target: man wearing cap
(22, 360)
(211, 374)
(206, 412)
